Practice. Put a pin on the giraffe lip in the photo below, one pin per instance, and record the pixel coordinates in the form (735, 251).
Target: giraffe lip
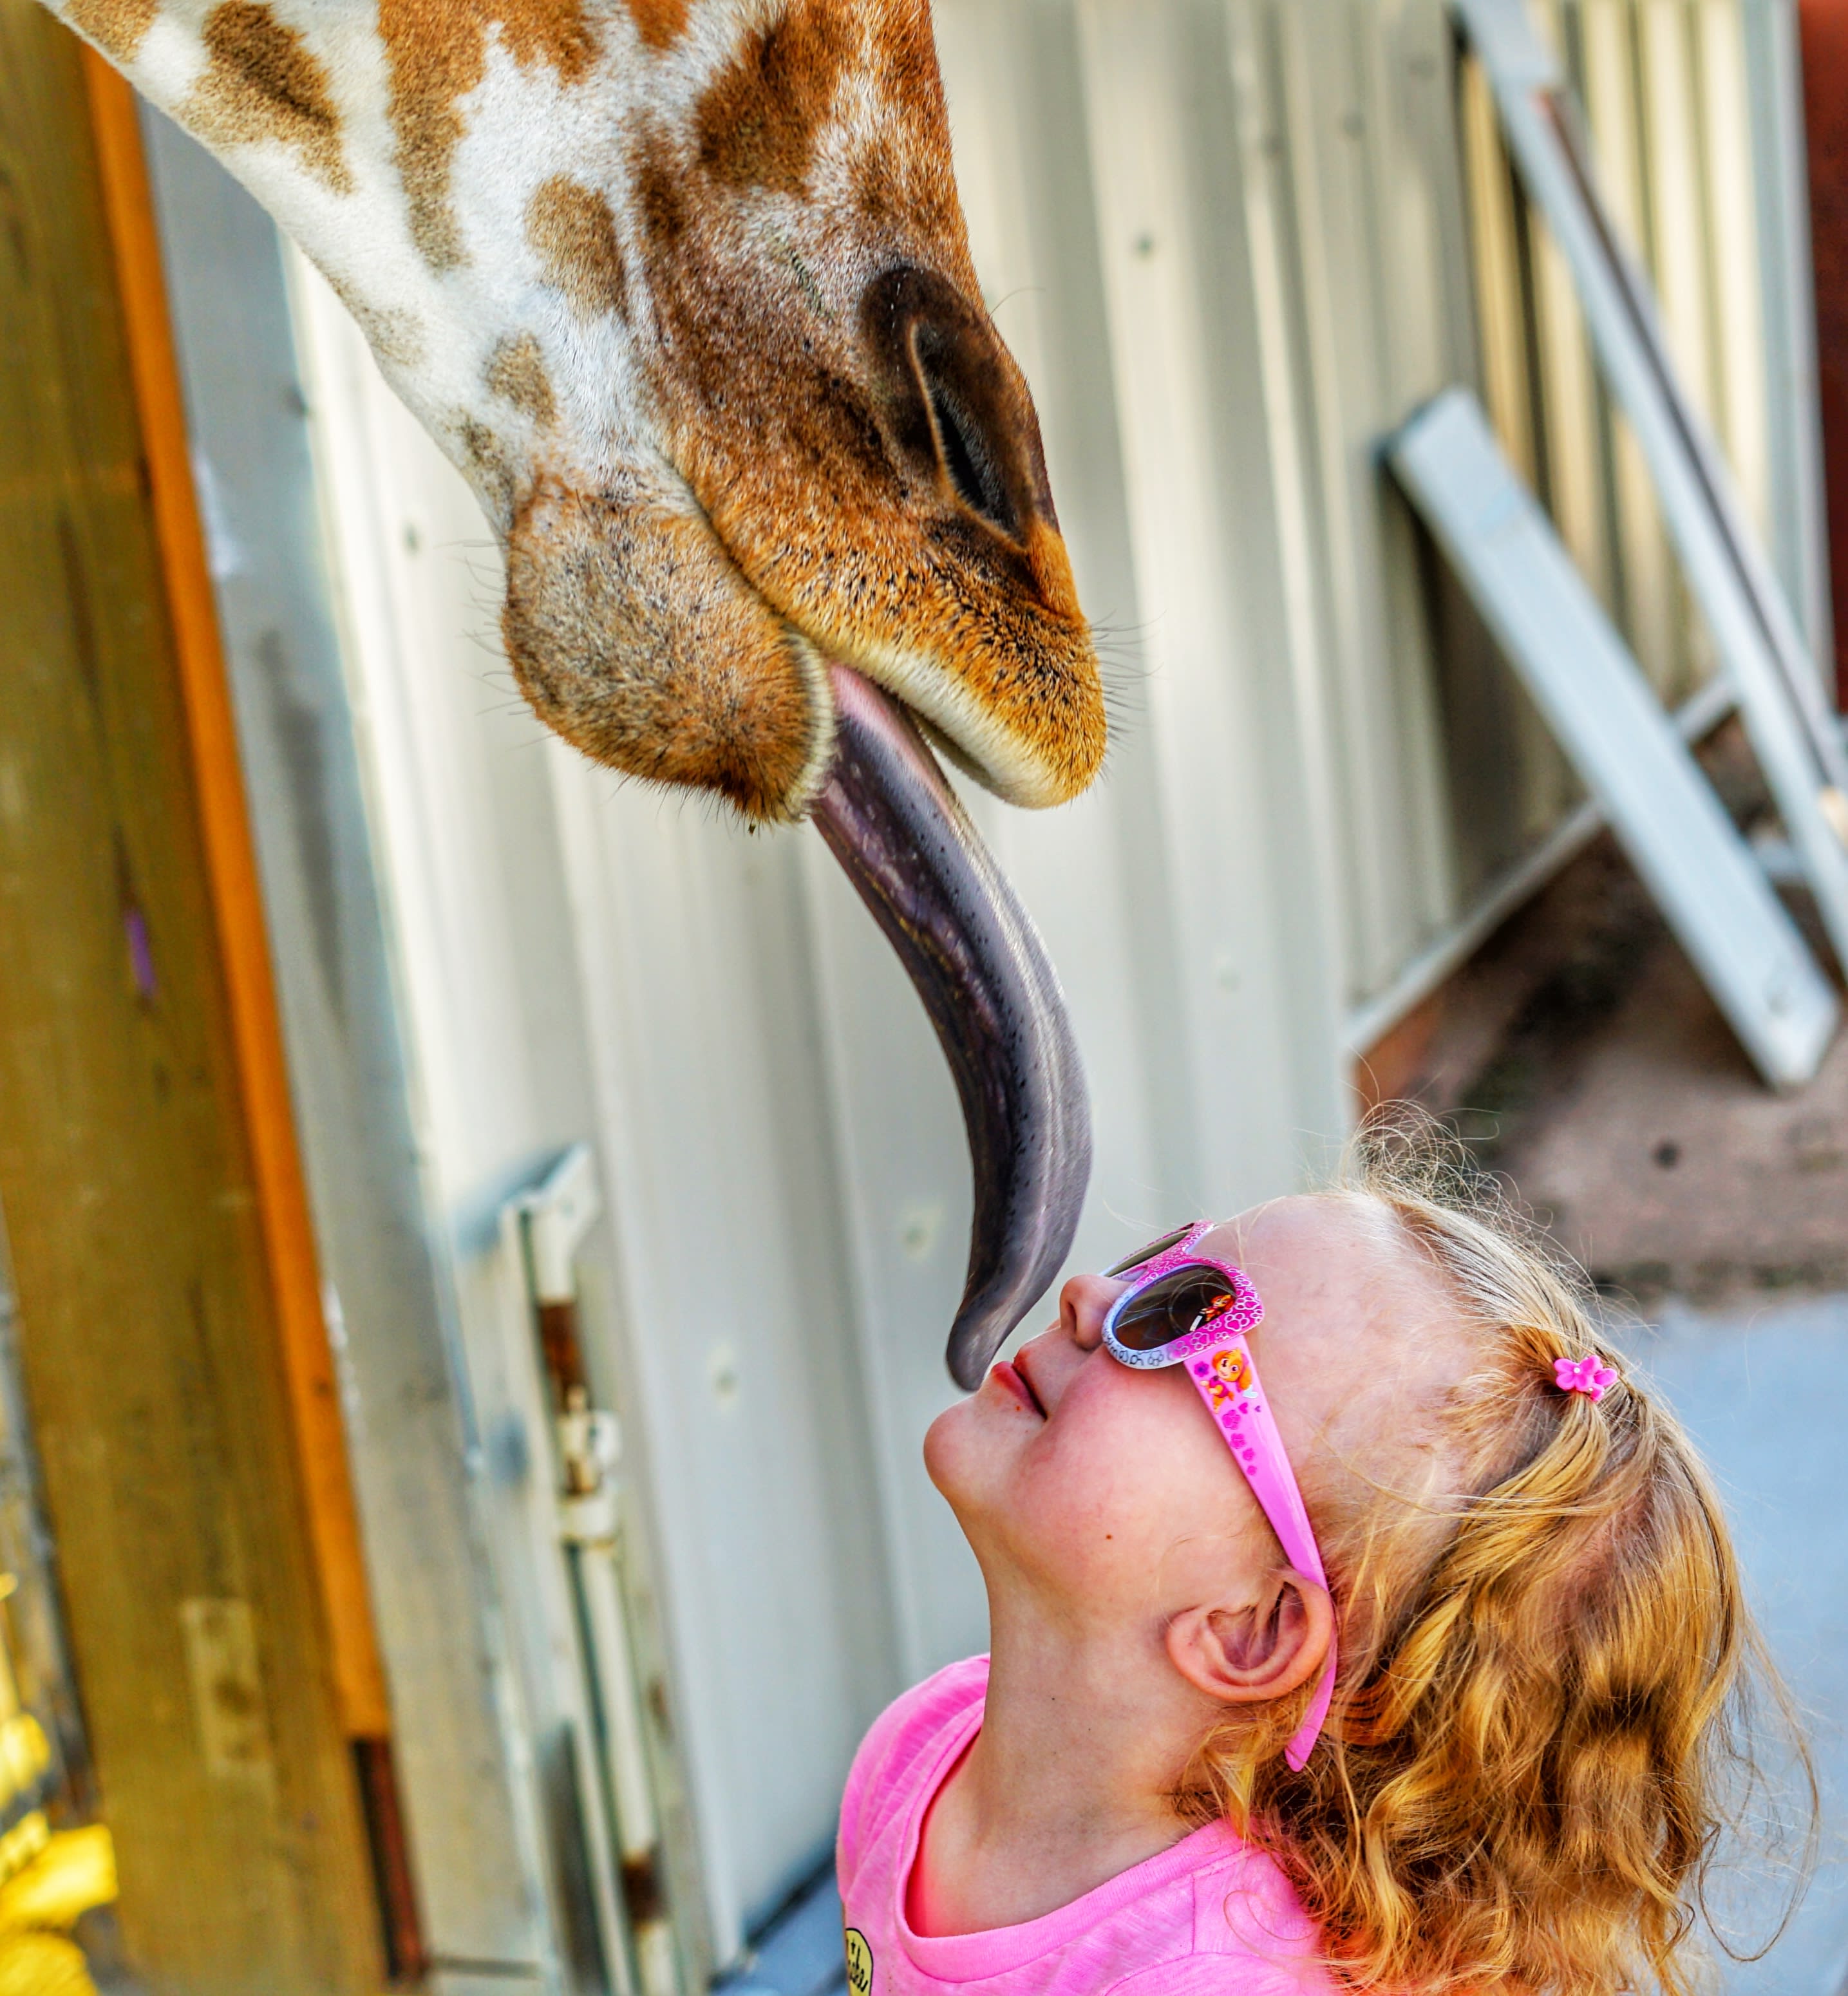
(982, 973)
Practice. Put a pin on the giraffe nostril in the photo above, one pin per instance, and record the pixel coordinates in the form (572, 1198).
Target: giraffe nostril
(953, 400)
(970, 461)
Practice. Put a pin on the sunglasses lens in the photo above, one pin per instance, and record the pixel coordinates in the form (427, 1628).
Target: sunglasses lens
(1142, 1256)
(1169, 1309)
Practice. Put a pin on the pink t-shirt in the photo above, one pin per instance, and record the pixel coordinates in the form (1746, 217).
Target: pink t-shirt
(1207, 1917)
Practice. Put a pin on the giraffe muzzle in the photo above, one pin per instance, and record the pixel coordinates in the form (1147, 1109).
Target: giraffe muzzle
(983, 972)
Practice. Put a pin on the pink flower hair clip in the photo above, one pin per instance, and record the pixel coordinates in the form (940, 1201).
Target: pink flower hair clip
(1584, 1375)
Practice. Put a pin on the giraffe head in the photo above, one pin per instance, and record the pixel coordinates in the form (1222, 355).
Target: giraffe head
(683, 288)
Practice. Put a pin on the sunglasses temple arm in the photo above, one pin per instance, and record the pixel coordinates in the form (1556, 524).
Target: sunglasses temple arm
(1249, 1431)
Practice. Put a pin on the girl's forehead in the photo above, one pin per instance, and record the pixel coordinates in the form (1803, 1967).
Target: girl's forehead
(1313, 1224)
(1337, 1250)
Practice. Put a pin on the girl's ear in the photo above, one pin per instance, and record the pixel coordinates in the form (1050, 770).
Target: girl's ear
(1246, 1652)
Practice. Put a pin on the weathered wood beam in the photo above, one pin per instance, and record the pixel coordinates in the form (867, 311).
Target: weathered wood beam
(147, 1169)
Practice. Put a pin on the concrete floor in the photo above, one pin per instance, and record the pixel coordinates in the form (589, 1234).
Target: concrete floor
(801, 1954)
(1582, 1059)
(1764, 1390)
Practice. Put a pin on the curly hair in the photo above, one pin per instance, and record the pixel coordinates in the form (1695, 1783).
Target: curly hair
(1546, 1724)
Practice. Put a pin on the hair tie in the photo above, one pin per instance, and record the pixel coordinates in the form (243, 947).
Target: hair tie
(1587, 1375)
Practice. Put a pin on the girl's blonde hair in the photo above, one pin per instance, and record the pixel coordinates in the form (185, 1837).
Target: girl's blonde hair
(1542, 1729)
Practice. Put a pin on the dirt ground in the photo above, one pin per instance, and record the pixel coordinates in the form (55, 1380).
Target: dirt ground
(1664, 1164)
(1582, 1058)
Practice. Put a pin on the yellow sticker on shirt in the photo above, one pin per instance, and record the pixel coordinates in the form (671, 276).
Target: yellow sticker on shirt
(859, 1963)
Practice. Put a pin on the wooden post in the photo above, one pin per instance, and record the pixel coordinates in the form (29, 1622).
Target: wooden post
(171, 1345)
(1824, 35)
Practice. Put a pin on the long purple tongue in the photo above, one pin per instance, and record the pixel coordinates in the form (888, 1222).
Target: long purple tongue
(982, 971)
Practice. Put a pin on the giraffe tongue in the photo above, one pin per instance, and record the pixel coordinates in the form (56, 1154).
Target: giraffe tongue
(982, 971)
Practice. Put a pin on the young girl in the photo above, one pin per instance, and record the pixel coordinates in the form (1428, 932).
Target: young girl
(1409, 1666)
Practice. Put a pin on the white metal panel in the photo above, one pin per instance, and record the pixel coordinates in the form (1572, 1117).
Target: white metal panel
(710, 1114)
(480, 1890)
(1779, 184)
(1353, 191)
(439, 755)
(1245, 857)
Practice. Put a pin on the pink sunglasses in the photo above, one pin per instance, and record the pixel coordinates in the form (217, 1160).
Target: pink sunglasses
(1184, 1308)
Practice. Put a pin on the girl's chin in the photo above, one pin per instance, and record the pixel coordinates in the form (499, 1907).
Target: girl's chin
(961, 1445)
(941, 1448)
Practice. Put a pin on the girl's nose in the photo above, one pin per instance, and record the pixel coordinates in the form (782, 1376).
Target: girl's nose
(1082, 1305)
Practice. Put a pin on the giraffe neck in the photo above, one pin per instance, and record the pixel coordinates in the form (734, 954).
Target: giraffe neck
(462, 172)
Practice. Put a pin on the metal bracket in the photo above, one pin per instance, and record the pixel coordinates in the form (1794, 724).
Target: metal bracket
(557, 1214)
(554, 1219)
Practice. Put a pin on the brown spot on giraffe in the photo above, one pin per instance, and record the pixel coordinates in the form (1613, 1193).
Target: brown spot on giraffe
(758, 119)
(115, 27)
(261, 80)
(516, 373)
(656, 200)
(660, 23)
(574, 231)
(904, 181)
(436, 53)
(396, 336)
(488, 469)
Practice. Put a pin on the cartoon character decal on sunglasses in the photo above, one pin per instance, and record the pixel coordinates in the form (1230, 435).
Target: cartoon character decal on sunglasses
(1229, 1373)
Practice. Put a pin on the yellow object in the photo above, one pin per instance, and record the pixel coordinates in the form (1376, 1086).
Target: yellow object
(74, 1872)
(24, 1753)
(24, 1844)
(39, 1964)
(71, 1872)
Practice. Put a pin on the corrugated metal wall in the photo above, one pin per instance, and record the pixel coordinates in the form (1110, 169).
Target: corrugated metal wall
(1264, 203)
(1234, 243)
(1667, 88)
(1332, 160)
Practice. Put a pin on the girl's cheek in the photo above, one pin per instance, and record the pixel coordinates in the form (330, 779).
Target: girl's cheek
(1102, 1482)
